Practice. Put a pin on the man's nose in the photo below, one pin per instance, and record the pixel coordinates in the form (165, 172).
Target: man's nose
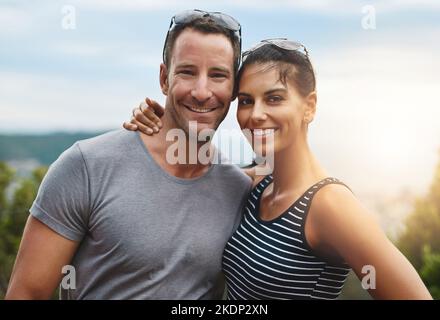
(201, 92)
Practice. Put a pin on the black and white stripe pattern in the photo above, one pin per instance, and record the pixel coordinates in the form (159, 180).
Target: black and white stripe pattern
(272, 260)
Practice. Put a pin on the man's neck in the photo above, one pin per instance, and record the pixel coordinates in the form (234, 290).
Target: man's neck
(183, 151)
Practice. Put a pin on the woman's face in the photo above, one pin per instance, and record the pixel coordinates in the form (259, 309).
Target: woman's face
(273, 114)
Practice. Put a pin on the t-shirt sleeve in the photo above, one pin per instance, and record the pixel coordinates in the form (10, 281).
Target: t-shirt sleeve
(63, 199)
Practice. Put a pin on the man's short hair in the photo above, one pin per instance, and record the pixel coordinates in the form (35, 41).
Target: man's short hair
(204, 25)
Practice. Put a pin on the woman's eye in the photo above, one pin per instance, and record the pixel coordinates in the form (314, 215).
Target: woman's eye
(274, 99)
(244, 102)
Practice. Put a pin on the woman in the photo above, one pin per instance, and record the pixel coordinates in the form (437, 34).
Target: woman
(301, 231)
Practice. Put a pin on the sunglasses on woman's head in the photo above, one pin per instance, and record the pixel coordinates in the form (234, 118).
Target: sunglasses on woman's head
(282, 43)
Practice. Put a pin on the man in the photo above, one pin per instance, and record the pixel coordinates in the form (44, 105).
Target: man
(132, 225)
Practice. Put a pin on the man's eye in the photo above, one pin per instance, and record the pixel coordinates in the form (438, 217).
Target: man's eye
(218, 75)
(186, 72)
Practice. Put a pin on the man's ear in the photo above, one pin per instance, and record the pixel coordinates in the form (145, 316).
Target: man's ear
(163, 78)
(310, 106)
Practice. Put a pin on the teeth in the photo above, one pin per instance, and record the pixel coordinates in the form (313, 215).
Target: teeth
(269, 131)
(200, 110)
(263, 132)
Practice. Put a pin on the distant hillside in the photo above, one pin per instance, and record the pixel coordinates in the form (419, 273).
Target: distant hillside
(44, 148)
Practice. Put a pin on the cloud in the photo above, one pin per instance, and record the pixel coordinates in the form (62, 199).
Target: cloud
(134, 5)
(35, 102)
(133, 55)
(79, 49)
(317, 6)
(14, 21)
(378, 110)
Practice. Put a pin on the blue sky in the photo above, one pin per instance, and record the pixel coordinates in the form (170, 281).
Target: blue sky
(378, 121)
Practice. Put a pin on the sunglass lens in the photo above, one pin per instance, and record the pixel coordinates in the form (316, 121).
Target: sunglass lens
(227, 21)
(187, 16)
(288, 45)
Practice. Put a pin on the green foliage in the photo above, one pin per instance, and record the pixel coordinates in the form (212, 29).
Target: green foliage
(430, 271)
(420, 242)
(13, 216)
(6, 175)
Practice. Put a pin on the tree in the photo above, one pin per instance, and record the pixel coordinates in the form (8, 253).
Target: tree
(420, 241)
(430, 271)
(6, 176)
(13, 215)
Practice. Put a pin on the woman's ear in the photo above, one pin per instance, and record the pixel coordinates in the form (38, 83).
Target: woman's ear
(310, 107)
(163, 78)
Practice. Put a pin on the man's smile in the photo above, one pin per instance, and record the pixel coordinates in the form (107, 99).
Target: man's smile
(199, 109)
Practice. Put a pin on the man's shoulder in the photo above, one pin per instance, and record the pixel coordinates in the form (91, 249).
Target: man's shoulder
(103, 147)
(107, 142)
(231, 169)
(234, 175)
(227, 169)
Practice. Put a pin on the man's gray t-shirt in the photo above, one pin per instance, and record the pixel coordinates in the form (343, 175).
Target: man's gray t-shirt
(143, 233)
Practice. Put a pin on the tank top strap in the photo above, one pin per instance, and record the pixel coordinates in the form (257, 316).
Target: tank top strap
(310, 193)
(262, 185)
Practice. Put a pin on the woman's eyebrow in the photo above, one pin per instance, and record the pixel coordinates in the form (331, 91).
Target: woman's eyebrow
(284, 90)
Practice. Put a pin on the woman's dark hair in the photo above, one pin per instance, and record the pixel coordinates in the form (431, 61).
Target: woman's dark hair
(292, 65)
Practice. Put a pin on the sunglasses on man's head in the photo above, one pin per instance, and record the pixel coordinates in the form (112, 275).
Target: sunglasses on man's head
(282, 43)
(219, 18)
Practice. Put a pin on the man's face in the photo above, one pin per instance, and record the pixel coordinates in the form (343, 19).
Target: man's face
(200, 80)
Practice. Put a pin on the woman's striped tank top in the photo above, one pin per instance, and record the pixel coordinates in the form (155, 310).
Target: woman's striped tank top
(272, 259)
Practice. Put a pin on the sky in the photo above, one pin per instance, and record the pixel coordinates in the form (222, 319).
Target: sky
(378, 117)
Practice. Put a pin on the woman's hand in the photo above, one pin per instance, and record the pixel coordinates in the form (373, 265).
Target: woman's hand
(146, 117)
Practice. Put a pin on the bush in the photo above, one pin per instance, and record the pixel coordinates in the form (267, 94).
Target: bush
(420, 242)
(13, 215)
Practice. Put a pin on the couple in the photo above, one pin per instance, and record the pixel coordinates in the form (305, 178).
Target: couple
(134, 226)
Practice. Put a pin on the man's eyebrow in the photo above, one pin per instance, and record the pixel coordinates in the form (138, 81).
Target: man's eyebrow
(221, 69)
(190, 65)
(185, 65)
(244, 94)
